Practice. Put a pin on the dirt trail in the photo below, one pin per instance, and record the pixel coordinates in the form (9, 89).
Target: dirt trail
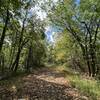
(42, 84)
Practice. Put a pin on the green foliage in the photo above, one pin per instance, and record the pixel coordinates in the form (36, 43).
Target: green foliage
(67, 51)
(82, 22)
(88, 87)
(20, 30)
(64, 46)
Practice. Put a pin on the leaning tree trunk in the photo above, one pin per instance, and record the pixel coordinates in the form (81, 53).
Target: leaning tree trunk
(20, 46)
(4, 30)
(16, 62)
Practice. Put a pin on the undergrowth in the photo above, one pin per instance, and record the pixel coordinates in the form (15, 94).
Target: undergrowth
(89, 87)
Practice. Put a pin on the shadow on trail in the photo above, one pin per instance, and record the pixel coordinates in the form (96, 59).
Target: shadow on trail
(40, 85)
(43, 90)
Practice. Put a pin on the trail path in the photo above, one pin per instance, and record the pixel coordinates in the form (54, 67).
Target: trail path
(42, 84)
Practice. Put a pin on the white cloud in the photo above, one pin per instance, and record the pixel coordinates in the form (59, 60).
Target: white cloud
(40, 13)
(53, 33)
(51, 38)
(47, 28)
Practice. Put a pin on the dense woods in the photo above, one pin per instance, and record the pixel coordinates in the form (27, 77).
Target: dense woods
(22, 36)
(81, 21)
(72, 39)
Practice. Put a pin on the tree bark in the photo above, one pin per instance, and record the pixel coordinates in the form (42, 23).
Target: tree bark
(4, 30)
(16, 62)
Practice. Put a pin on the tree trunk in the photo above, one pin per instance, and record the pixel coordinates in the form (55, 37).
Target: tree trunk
(20, 46)
(93, 60)
(16, 62)
(29, 61)
(4, 31)
(88, 64)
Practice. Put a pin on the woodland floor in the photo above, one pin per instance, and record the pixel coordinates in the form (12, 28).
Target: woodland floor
(42, 84)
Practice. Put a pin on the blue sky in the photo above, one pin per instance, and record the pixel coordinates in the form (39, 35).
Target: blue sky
(77, 1)
(50, 31)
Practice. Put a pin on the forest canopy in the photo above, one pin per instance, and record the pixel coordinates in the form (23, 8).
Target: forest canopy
(23, 39)
(49, 49)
